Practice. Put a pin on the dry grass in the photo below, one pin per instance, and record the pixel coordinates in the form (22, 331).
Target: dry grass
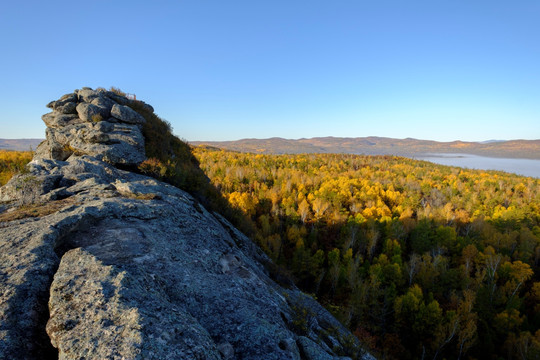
(117, 91)
(36, 210)
(148, 196)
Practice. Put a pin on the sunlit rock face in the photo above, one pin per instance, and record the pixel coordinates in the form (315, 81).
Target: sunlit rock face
(104, 263)
(98, 123)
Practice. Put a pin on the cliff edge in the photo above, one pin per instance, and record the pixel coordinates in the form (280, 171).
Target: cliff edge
(98, 262)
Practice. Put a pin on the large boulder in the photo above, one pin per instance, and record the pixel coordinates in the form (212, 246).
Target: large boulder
(66, 104)
(132, 317)
(126, 114)
(91, 113)
(86, 94)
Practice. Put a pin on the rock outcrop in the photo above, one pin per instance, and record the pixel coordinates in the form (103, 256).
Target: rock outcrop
(104, 263)
(93, 122)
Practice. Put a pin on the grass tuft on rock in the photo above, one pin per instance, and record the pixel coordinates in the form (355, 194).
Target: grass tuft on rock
(36, 210)
(170, 159)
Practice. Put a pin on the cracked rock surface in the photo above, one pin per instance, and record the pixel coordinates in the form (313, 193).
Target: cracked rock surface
(117, 265)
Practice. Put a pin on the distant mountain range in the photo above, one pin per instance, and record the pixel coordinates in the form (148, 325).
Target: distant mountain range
(525, 149)
(19, 144)
(372, 145)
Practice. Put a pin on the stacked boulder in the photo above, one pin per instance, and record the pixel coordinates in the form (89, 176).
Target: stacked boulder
(98, 123)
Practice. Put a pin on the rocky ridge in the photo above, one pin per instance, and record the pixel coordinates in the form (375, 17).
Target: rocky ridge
(105, 263)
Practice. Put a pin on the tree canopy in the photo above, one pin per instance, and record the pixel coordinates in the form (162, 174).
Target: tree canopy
(419, 260)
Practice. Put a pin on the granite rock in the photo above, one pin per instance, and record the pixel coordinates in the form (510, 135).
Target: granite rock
(126, 114)
(111, 264)
(94, 122)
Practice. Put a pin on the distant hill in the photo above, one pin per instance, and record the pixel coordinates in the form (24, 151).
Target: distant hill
(19, 144)
(525, 149)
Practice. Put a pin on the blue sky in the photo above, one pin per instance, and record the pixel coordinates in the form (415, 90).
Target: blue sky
(224, 70)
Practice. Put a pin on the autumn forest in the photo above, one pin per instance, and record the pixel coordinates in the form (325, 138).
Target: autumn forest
(419, 260)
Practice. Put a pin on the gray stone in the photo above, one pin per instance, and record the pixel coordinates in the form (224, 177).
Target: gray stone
(68, 108)
(114, 143)
(129, 315)
(59, 120)
(117, 98)
(87, 95)
(56, 145)
(71, 97)
(91, 113)
(45, 166)
(104, 102)
(130, 267)
(125, 101)
(93, 131)
(58, 151)
(96, 136)
(90, 167)
(43, 150)
(65, 105)
(27, 264)
(126, 114)
(28, 188)
(124, 144)
(56, 194)
(104, 126)
(311, 350)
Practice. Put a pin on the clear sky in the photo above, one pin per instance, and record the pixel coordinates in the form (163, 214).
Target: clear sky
(225, 70)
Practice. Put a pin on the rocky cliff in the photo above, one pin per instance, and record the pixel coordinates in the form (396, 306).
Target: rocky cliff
(97, 262)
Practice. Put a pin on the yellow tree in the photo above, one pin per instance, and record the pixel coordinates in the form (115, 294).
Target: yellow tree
(520, 272)
(320, 206)
(303, 210)
(244, 202)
